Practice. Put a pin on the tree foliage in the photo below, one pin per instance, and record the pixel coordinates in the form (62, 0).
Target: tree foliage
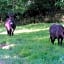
(32, 6)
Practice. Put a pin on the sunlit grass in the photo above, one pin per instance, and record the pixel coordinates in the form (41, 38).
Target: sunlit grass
(31, 47)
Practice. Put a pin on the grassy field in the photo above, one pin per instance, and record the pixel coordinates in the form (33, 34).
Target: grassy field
(30, 47)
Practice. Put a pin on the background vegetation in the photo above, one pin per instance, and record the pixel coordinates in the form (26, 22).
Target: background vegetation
(33, 11)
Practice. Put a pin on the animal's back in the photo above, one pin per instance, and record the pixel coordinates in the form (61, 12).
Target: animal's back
(56, 30)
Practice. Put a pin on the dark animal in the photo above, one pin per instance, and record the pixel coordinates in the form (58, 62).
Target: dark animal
(10, 26)
(56, 32)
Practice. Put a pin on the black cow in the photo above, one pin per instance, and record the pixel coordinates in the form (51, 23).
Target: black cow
(56, 32)
(10, 26)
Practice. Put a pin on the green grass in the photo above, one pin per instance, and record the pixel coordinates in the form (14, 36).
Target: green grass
(31, 47)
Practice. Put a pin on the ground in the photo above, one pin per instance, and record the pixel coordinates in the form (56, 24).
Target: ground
(30, 45)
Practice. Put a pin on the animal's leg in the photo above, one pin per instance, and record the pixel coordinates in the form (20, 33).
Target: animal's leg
(10, 32)
(61, 41)
(52, 40)
(7, 32)
(58, 41)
